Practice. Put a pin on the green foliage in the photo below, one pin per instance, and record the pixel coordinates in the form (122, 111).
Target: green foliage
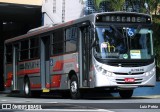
(156, 36)
(152, 6)
(97, 3)
(117, 5)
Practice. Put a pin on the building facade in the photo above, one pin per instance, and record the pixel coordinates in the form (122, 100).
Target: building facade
(26, 2)
(58, 11)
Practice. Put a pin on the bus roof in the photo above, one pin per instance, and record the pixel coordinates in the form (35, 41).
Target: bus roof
(45, 29)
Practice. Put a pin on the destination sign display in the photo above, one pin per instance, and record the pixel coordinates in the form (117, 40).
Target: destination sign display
(124, 18)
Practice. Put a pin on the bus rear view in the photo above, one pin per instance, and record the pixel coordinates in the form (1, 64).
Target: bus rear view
(123, 52)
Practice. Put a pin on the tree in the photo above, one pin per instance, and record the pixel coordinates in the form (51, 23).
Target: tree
(97, 3)
(152, 6)
(116, 5)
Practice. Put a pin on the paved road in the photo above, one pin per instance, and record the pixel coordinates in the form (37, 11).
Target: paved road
(105, 104)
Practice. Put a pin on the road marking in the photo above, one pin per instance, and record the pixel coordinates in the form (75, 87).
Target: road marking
(51, 102)
(28, 101)
(4, 100)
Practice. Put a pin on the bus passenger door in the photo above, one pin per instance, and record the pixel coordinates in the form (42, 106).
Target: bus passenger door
(15, 62)
(84, 55)
(44, 63)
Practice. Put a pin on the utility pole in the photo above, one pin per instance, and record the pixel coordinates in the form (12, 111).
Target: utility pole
(147, 7)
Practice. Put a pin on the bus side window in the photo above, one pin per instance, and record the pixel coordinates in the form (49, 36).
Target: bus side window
(58, 42)
(34, 48)
(71, 39)
(24, 50)
(9, 53)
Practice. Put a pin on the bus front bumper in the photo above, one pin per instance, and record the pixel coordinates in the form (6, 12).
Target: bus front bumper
(125, 81)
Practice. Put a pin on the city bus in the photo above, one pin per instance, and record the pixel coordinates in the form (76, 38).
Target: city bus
(101, 51)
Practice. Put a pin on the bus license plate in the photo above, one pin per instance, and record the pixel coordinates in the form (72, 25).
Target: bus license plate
(129, 80)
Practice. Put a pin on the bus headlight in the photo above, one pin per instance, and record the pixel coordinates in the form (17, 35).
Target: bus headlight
(99, 68)
(150, 72)
(103, 71)
(109, 74)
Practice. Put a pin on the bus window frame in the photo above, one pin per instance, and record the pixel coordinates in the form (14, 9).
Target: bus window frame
(33, 48)
(29, 49)
(57, 42)
(21, 50)
(74, 39)
(64, 41)
(6, 58)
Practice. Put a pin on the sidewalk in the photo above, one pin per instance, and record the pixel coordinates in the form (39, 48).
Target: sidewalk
(149, 96)
(4, 92)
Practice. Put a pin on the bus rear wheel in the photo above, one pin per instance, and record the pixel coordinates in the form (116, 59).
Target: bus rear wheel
(74, 88)
(28, 92)
(126, 94)
(27, 89)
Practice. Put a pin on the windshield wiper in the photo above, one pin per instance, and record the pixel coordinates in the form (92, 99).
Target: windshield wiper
(139, 28)
(137, 31)
(115, 29)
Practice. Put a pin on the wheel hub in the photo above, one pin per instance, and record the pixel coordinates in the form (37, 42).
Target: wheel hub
(74, 87)
(26, 89)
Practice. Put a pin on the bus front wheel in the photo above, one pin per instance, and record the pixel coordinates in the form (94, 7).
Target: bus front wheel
(125, 94)
(74, 88)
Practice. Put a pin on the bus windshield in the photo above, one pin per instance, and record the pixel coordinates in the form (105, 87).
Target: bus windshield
(123, 43)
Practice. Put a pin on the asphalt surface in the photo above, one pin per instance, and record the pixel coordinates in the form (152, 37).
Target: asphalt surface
(88, 104)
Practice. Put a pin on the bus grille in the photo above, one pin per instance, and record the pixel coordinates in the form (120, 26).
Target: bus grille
(125, 64)
(139, 73)
(122, 81)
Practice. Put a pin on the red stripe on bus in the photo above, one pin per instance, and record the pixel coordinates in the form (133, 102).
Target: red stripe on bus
(59, 64)
(33, 71)
(56, 81)
(35, 86)
(8, 83)
(9, 79)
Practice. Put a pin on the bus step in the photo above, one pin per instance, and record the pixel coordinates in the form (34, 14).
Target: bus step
(45, 90)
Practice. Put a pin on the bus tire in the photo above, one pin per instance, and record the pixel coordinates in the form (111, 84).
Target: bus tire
(74, 88)
(27, 89)
(126, 94)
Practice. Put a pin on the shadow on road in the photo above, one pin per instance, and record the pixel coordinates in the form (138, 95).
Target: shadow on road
(86, 96)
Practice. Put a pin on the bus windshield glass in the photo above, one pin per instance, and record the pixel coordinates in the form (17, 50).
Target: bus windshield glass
(123, 43)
